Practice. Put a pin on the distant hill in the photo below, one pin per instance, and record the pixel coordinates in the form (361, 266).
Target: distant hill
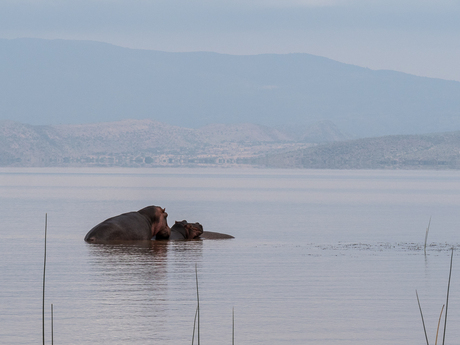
(146, 143)
(139, 143)
(50, 82)
(431, 151)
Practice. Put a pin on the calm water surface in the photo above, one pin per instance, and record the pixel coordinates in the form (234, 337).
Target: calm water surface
(319, 257)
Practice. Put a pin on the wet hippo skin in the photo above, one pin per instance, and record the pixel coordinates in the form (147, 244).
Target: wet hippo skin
(185, 231)
(132, 226)
(211, 235)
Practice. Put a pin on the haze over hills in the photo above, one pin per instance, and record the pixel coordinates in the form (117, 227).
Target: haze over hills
(50, 82)
(145, 143)
(429, 151)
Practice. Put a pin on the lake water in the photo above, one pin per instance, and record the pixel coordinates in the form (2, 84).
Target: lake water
(319, 257)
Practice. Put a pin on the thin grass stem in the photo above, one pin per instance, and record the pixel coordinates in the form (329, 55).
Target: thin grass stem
(233, 326)
(426, 235)
(439, 322)
(421, 314)
(52, 325)
(44, 271)
(194, 325)
(447, 298)
(198, 304)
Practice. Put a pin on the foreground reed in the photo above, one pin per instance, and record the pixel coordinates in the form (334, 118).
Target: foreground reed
(439, 323)
(52, 325)
(423, 320)
(447, 305)
(197, 314)
(233, 326)
(447, 299)
(43, 290)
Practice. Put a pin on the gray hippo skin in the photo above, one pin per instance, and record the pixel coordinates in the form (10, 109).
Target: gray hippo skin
(185, 231)
(211, 235)
(132, 226)
(188, 231)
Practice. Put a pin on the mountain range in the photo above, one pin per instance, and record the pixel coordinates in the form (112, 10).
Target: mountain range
(51, 82)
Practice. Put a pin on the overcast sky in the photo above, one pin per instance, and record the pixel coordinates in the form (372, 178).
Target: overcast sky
(420, 37)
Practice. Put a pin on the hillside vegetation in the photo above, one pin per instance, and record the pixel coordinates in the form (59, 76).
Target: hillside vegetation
(431, 151)
(145, 143)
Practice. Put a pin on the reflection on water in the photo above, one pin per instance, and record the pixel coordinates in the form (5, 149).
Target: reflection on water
(140, 261)
(145, 261)
(136, 279)
(156, 249)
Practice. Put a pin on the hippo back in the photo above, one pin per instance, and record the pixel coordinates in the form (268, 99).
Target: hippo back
(131, 226)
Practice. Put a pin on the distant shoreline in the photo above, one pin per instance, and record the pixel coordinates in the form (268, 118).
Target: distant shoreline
(149, 144)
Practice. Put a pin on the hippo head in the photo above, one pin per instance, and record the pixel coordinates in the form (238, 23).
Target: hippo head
(158, 217)
(192, 230)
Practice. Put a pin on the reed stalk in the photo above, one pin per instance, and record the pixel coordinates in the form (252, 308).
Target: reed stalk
(194, 325)
(233, 326)
(52, 325)
(423, 321)
(447, 298)
(426, 235)
(197, 313)
(439, 322)
(44, 271)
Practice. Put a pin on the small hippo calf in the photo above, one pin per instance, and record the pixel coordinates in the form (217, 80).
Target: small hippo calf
(185, 231)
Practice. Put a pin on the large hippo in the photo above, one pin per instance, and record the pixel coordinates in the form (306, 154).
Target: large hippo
(132, 226)
(185, 231)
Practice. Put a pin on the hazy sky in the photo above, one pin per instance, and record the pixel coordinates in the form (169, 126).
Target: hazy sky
(420, 37)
